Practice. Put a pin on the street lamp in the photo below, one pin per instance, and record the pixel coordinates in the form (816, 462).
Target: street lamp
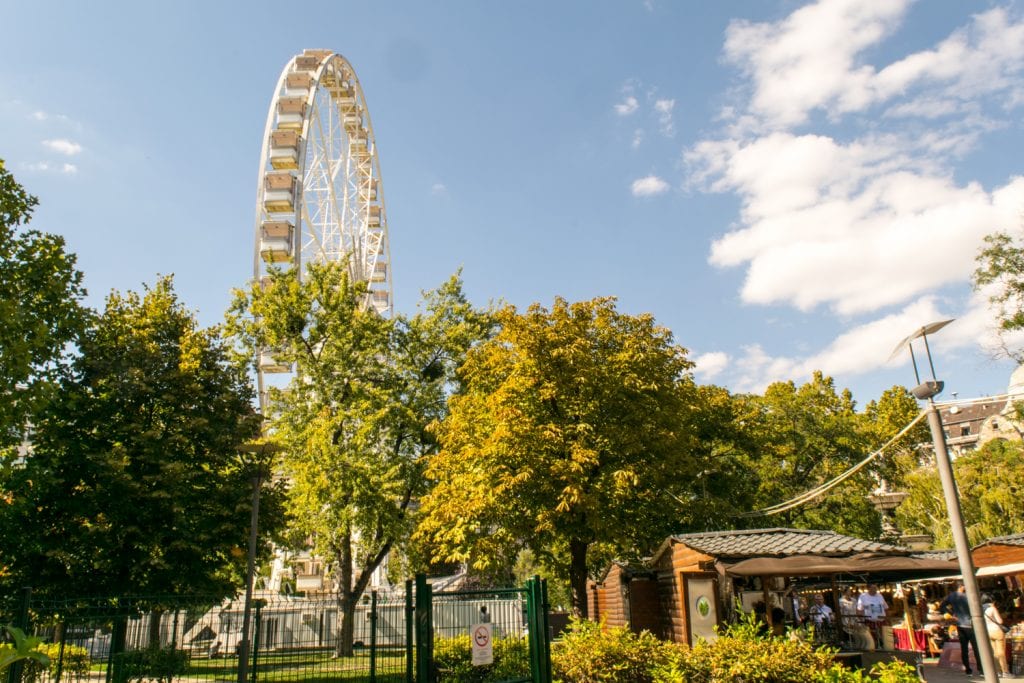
(261, 454)
(926, 391)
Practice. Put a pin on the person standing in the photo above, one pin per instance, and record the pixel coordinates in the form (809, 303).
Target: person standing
(956, 604)
(996, 632)
(859, 635)
(873, 607)
(820, 613)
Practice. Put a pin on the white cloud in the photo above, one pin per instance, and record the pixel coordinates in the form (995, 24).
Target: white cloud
(40, 115)
(861, 349)
(665, 123)
(63, 146)
(856, 227)
(46, 167)
(861, 214)
(813, 59)
(648, 186)
(438, 188)
(710, 364)
(638, 138)
(628, 106)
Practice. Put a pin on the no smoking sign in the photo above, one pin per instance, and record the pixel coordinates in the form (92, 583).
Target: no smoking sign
(483, 648)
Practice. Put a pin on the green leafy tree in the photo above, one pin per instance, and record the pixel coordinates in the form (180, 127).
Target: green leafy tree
(990, 484)
(883, 420)
(1001, 270)
(136, 484)
(573, 424)
(803, 437)
(353, 422)
(40, 291)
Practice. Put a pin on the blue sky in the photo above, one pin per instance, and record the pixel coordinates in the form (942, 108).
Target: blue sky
(786, 186)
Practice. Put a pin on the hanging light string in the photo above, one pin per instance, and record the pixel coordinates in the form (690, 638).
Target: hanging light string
(818, 491)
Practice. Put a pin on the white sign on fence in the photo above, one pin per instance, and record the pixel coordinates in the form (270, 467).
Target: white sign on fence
(483, 648)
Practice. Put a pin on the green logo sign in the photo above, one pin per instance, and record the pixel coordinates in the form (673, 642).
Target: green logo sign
(703, 606)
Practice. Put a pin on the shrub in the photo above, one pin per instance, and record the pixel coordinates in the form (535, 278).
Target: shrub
(161, 664)
(75, 661)
(742, 658)
(453, 658)
(745, 652)
(590, 654)
(883, 672)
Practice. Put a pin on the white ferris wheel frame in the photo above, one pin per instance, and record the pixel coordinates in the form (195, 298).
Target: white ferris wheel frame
(318, 132)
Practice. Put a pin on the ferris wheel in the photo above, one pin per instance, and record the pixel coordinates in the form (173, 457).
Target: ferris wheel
(319, 196)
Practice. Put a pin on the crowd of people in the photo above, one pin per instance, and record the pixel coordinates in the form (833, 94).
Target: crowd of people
(858, 620)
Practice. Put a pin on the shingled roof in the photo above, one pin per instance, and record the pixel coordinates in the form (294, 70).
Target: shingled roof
(1013, 539)
(780, 543)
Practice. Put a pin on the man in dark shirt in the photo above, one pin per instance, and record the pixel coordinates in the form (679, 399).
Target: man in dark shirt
(956, 604)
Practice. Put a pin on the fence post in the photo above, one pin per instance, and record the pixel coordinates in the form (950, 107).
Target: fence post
(258, 619)
(118, 640)
(373, 636)
(409, 611)
(15, 670)
(531, 631)
(424, 631)
(545, 655)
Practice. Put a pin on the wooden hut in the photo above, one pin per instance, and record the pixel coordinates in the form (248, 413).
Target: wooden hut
(625, 596)
(697, 589)
(1005, 553)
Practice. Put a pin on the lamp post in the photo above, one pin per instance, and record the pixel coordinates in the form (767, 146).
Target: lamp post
(926, 391)
(260, 463)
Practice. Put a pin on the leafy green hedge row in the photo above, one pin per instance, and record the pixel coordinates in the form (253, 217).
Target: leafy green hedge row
(741, 654)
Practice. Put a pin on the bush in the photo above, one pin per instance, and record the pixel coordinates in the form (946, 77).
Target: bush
(161, 664)
(453, 658)
(883, 672)
(590, 654)
(744, 652)
(75, 661)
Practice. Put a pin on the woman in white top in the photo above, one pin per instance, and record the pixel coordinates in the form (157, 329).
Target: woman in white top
(994, 626)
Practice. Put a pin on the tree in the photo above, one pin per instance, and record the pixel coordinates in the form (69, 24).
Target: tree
(573, 424)
(1001, 268)
(884, 419)
(352, 422)
(989, 481)
(136, 484)
(801, 438)
(40, 291)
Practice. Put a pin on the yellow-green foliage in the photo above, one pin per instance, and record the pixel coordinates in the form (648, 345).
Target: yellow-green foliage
(75, 660)
(453, 660)
(741, 654)
(741, 658)
(588, 654)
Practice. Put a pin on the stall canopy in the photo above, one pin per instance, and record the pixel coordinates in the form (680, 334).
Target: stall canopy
(876, 564)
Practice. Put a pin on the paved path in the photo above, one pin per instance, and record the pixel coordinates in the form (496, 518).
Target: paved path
(936, 674)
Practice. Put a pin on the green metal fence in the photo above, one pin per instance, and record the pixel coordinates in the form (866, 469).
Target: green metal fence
(410, 635)
(126, 640)
(520, 635)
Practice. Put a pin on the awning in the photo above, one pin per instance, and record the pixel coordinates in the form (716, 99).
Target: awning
(1000, 569)
(861, 563)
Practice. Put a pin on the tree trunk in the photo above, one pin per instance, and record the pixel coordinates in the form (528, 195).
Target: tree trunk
(346, 604)
(154, 628)
(578, 576)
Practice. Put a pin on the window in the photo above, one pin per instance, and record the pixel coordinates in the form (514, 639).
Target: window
(965, 430)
